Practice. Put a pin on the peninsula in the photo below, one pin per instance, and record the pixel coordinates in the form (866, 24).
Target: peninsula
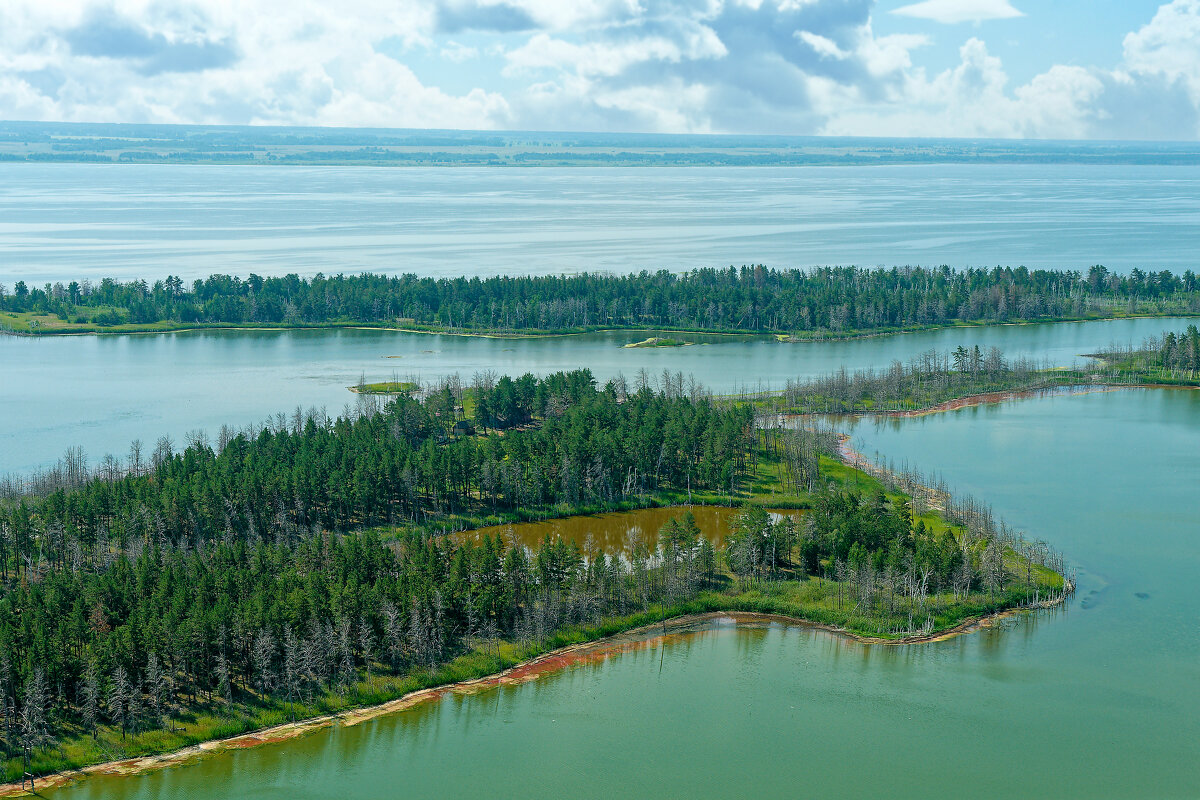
(298, 570)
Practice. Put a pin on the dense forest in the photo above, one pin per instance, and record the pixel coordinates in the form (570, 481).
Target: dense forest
(406, 461)
(752, 299)
(253, 580)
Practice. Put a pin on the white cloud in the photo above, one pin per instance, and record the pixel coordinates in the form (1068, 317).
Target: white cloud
(1168, 46)
(593, 58)
(950, 12)
(1141, 99)
(763, 66)
(458, 53)
(666, 108)
(215, 61)
(824, 47)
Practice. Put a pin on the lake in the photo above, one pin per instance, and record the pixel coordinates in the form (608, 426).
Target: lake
(62, 222)
(102, 392)
(1097, 699)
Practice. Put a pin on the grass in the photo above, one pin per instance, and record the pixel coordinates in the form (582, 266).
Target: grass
(28, 322)
(21, 322)
(384, 387)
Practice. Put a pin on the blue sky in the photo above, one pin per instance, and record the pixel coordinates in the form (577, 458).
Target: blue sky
(1004, 68)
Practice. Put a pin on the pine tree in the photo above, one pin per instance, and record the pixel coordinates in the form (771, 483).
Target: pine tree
(89, 692)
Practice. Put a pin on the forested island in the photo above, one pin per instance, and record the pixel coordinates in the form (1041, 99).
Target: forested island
(792, 303)
(299, 568)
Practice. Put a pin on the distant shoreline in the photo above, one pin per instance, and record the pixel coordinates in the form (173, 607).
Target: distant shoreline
(73, 329)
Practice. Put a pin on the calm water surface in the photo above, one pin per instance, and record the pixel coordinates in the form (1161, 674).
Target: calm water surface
(1096, 700)
(71, 221)
(101, 392)
(617, 532)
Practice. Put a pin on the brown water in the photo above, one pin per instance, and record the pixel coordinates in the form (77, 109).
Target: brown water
(617, 532)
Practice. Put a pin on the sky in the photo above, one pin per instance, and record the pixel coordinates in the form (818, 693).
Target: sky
(1057, 69)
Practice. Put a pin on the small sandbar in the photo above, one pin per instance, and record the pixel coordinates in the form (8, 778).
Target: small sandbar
(656, 341)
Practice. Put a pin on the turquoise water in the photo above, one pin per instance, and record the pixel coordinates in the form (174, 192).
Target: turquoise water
(101, 392)
(1098, 699)
(72, 221)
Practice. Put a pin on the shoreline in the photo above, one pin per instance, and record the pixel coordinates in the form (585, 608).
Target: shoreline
(775, 336)
(550, 662)
(991, 398)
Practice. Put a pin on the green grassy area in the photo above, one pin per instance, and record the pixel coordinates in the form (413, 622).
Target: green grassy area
(384, 387)
(28, 322)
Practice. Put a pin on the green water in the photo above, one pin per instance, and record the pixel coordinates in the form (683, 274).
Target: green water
(1099, 699)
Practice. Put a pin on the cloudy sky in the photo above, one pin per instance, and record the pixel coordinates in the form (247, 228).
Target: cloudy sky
(1099, 69)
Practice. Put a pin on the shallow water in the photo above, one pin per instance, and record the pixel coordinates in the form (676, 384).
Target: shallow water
(101, 392)
(616, 532)
(1097, 699)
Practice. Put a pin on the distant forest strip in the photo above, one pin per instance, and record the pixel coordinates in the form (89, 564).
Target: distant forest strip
(842, 301)
(41, 142)
(285, 572)
(933, 378)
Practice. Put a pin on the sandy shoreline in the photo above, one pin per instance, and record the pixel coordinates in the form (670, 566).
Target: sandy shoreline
(547, 663)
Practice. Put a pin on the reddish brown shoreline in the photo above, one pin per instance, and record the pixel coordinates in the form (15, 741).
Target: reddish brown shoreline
(988, 398)
(595, 651)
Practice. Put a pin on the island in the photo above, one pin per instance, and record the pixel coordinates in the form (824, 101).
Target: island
(383, 387)
(936, 381)
(314, 567)
(655, 341)
(790, 304)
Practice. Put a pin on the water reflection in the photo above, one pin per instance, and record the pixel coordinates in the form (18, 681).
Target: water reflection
(616, 533)
(127, 387)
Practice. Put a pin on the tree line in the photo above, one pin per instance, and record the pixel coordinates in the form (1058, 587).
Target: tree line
(402, 462)
(1174, 354)
(927, 379)
(215, 571)
(935, 377)
(137, 629)
(749, 299)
